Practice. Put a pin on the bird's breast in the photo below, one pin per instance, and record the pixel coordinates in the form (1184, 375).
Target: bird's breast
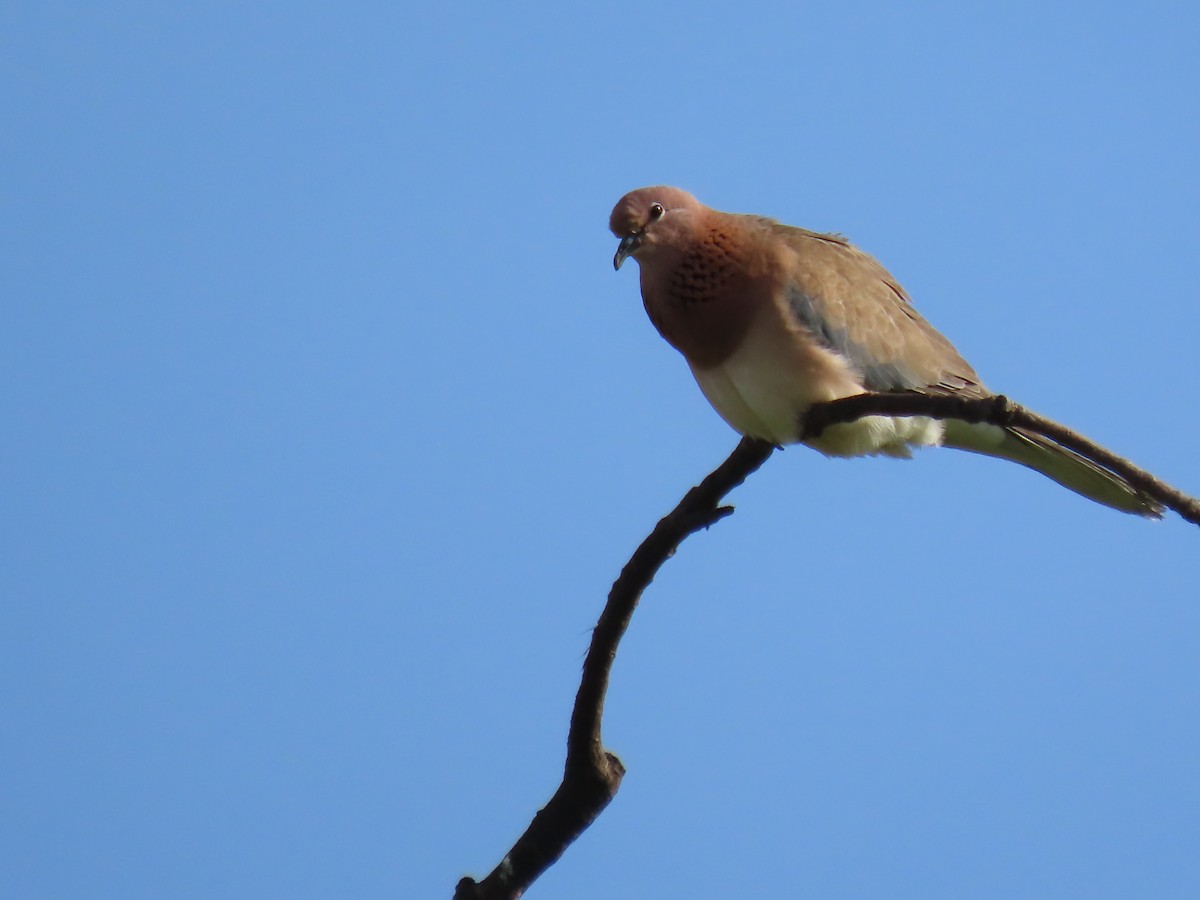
(703, 304)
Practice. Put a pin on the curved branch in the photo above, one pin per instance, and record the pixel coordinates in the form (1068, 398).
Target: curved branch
(592, 774)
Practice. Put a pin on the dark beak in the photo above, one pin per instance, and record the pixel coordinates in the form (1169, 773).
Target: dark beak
(627, 246)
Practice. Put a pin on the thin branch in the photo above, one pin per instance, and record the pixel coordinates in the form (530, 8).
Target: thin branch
(592, 774)
(998, 410)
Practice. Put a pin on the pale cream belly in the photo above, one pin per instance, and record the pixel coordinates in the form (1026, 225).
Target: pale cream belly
(762, 391)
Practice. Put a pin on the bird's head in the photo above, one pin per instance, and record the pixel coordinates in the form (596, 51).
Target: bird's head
(647, 216)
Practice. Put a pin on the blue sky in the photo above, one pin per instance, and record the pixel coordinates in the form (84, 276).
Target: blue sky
(328, 425)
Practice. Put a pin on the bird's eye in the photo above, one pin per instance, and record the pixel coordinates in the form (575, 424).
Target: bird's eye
(656, 212)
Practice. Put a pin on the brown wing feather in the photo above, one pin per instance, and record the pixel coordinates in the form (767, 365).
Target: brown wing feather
(855, 307)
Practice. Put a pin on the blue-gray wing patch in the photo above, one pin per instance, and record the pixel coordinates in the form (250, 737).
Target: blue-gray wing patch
(878, 375)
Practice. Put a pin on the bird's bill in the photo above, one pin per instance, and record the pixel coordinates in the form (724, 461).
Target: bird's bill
(625, 249)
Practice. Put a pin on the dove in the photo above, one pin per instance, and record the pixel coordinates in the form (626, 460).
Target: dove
(773, 318)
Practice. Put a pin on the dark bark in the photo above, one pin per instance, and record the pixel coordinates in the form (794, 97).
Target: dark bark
(592, 774)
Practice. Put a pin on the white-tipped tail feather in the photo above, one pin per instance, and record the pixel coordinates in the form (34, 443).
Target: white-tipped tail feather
(1065, 466)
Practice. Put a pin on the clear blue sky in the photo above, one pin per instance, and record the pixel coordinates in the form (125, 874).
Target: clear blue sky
(328, 425)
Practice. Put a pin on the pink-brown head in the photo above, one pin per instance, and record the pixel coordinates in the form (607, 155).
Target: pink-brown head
(649, 214)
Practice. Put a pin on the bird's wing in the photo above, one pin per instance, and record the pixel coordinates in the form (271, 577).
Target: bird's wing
(853, 306)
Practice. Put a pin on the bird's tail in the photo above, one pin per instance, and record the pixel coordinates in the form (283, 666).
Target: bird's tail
(1068, 468)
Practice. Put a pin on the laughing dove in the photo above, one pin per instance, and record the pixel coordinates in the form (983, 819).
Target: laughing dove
(772, 319)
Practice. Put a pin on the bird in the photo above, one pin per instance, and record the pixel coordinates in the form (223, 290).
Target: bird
(772, 318)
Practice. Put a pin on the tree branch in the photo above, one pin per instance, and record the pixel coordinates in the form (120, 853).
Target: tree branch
(997, 410)
(592, 774)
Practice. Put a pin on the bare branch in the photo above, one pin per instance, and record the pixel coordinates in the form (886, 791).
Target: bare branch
(592, 775)
(998, 410)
